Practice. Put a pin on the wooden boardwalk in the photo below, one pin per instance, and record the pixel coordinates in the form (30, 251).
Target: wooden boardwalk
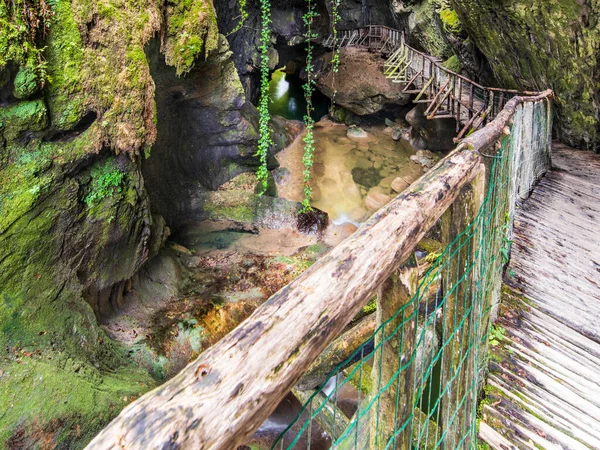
(544, 385)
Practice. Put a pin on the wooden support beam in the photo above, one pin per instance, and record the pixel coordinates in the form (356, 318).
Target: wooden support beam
(459, 279)
(411, 81)
(396, 342)
(330, 417)
(417, 100)
(336, 353)
(437, 95)
(439, 105)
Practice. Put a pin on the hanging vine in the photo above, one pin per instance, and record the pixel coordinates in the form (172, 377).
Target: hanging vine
(335, 60)
(243, 16)
(264, 140)
(309, 87)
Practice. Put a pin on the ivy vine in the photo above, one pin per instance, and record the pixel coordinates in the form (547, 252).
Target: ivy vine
(309, 87)
(335, 60)
(264, 140)
(243, 16)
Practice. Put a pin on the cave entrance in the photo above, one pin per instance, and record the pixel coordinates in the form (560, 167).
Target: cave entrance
(286, 97)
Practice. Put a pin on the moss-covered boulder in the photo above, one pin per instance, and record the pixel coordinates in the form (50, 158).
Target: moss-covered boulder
(26, 83)
(537, 44)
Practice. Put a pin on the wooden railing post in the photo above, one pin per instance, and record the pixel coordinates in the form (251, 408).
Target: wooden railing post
(458, 360)
(395, 344)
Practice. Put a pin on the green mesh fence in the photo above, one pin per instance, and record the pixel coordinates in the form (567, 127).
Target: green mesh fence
(416, 382)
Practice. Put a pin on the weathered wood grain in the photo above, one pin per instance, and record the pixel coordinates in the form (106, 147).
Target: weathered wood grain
(220, 399)
(545, 386)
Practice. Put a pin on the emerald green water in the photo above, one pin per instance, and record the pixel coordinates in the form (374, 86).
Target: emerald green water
(287, 98)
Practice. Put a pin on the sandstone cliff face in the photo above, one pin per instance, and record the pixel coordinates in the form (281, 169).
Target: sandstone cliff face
(536, 44)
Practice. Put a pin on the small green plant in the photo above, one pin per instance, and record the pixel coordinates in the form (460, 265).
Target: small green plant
(264, 140)
(370, 307)
(106, 178)
(497, 334)
(243, 16)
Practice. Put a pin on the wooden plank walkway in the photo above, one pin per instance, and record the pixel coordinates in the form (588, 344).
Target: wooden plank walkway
(544, 384)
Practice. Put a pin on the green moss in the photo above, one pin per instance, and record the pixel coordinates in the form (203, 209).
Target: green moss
(192, 33)
(450, 20)
(360, 377)
(65, 56)
(430, 245)
(453, 64)
(26, 83)
(428, 31)
(23, 116)
(18, 36)
(74, 394)
(533, 45)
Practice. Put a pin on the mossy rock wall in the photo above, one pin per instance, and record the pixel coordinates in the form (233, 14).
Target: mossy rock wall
(540, 44)
(77, 117)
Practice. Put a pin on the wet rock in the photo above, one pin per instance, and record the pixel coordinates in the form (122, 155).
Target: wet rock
(400, 184)
(437, 135)
(426, 158)
(282, 176)
(369, 177)
(397, 134)
(376, 199)
(363, 163)
(362, 92)
(180, 249)
(356, 132)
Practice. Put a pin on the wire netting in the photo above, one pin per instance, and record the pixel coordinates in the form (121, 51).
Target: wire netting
(415, 383)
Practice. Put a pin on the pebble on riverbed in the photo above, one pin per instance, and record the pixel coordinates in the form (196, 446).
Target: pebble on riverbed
(356, 132)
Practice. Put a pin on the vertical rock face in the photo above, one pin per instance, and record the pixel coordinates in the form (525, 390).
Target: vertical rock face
(207, 133)
(77, 123)
(536, 44)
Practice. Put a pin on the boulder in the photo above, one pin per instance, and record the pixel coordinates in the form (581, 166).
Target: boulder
(360, 85)
(436, 135)
(426, 158)
(356, 132)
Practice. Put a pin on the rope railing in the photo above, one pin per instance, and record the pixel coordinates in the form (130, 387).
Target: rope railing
(416, 377)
